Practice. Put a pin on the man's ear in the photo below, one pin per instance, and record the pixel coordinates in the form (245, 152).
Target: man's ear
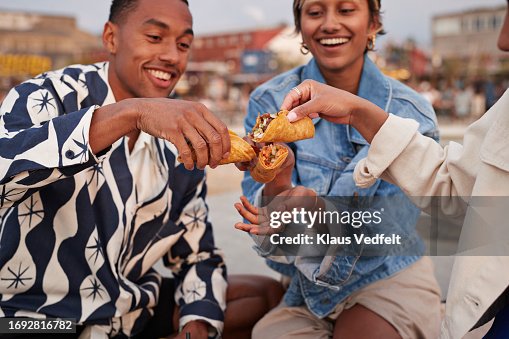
(110, 41)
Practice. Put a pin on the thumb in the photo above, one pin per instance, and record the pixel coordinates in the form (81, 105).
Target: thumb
(308, 109)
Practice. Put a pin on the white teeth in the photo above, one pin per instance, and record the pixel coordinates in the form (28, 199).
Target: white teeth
(160, 74)
(334, 41)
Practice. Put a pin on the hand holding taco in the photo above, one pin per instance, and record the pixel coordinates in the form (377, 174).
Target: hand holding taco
(241, 151)
(277, 128)
(270, 159)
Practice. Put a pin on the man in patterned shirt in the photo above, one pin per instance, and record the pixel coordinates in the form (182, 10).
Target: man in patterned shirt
(91, 194)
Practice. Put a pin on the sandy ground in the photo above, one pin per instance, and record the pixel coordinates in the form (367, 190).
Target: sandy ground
(223, 191)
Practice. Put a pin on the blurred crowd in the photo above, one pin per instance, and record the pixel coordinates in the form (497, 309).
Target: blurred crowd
(462, 100)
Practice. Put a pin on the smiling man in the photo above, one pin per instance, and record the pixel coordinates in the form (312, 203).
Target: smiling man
(91, 194)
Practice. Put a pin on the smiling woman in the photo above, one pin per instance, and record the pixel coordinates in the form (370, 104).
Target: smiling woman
(338, 34)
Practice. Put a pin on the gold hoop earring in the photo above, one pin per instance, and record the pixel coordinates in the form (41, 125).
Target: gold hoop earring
(304, 49)
(371, 43)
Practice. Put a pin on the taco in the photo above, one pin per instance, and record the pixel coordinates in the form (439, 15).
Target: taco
(240, 151)
(270, 158)
(277, 128)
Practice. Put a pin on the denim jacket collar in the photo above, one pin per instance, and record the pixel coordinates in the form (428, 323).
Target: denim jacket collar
(373, 86)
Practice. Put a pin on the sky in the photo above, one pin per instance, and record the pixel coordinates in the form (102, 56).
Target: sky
(402, 18)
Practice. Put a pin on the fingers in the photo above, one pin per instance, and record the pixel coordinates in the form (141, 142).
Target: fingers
(184, 151)
(251, 217)
(211, 146)
(308, 109)
(291, 100)
(298, 102)
(254, 229)
(244, 227)
(222, 135)
(251, 208)
(199, 145)
(257, 218)
(208, 135)
(251, 213)
(298, 94)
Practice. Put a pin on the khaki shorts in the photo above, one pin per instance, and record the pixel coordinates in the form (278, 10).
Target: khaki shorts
(408, 300)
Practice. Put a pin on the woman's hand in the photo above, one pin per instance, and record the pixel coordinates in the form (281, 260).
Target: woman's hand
(314, 99)
(259, 217)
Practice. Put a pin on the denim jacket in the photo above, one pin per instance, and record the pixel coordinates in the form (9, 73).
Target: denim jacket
(325, 163)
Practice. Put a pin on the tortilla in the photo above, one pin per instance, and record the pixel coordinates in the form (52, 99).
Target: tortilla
(241, 151)
(270, 158)
(277, 128)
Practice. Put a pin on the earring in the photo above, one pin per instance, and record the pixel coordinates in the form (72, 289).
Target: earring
(371, 42)
(304, 48)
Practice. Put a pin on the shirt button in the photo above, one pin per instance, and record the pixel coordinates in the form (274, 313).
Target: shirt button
(69, 154)
(347, 160)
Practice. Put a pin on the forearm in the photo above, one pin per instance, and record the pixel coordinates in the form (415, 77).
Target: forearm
(282, 182)
(419, 165)
(110, 123)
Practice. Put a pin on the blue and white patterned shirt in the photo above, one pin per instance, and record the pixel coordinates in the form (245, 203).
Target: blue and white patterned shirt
(80, 232)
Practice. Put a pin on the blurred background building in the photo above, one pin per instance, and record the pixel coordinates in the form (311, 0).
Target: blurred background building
(467, 42)
(31, 43)
(461, 72)
(225, 67)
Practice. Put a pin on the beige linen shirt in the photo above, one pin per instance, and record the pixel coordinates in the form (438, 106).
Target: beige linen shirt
(478, 168)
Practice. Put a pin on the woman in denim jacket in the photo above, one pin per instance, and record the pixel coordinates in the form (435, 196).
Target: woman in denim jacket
(397, 294)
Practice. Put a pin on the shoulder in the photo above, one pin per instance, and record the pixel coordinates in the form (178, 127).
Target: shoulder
(402, 95)
(73, 72)
(72, 77)
(407, 103)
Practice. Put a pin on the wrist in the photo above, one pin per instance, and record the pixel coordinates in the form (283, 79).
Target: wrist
(282, 182)
(110, 123)
(130, 113)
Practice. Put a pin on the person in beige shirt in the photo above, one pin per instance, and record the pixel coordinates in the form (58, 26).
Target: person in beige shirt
(472, 172)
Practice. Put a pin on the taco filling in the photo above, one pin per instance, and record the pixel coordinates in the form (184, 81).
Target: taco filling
(270, 153)
(263, 122)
